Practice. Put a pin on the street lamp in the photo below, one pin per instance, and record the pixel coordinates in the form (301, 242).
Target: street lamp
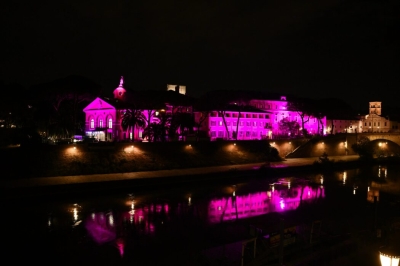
(389, 256)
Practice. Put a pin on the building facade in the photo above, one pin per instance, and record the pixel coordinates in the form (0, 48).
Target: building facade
(373, 122)
(258, 119)
(261, 120)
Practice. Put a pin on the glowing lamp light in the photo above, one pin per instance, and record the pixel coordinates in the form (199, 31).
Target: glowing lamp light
(389, 256)
(380, 144)
(234, 144)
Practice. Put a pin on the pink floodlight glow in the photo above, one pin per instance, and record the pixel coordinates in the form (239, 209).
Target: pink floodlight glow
(282, 204)
(259, 203)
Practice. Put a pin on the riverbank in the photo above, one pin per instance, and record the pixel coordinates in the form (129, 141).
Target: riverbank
(75, 183)
(31, 186)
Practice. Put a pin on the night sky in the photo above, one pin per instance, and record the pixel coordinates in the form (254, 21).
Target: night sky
(313, 48)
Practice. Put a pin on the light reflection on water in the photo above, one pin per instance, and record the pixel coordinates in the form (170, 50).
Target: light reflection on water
(283, 195)
(278, 199)
(120, 219)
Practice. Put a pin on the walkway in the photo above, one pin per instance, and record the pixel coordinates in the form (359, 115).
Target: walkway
(82, 179)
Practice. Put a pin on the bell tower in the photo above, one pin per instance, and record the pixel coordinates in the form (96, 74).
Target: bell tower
(375, 108)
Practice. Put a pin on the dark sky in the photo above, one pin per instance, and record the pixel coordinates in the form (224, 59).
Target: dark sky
(314, 48)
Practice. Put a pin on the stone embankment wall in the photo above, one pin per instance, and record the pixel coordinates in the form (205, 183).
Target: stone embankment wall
(102, 158)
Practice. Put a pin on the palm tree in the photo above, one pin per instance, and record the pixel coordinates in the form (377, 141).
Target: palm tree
(132, 119)
(181, 122)
(158, 131)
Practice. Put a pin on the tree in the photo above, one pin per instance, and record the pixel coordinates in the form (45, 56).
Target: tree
(158, 131)
(304, 108)
(363, 148)
(223, 101)
(132, 119)
(181, 122)
(288, 127)
(242, 101)
(62, 100)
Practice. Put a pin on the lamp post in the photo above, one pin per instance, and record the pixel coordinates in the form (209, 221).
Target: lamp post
(390, 253)
(389, 256)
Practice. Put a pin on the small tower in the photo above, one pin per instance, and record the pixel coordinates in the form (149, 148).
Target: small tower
(178, 88)
(119, 92)
(375, 108)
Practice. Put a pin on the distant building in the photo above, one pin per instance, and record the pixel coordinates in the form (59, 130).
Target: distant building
(178, 88)
(373, 122)
(258, 120)
(343, 124)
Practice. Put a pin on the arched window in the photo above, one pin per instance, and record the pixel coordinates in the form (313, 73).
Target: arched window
(101, 123)
(109, 122)
(92, 123)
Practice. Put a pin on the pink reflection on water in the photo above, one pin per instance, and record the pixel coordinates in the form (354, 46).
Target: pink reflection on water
(254, 204)
(120, 246)
(99, 228)
(144, 216)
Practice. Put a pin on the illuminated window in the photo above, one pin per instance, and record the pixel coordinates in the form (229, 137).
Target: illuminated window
(101, 123)
(220, 123)
(254, 124)
(109, 123)
(92, 123)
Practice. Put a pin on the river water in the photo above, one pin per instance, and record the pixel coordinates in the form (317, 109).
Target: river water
(185, 224)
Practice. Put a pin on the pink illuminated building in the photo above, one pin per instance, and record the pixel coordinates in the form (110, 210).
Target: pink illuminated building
(259, 119)
(103, 116)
